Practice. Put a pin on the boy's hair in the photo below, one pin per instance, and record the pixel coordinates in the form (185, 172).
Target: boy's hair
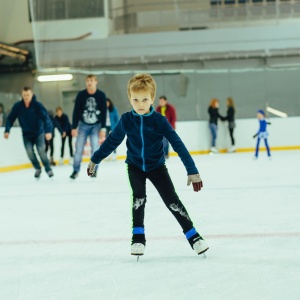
(142, 82)
(163, 97)
(26, 88)
(91, 76)
(58, 108)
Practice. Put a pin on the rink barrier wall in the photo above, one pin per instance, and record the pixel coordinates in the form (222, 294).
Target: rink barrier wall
(195, 135)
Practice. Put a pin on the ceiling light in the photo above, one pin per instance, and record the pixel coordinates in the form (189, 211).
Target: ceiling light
(60, 77)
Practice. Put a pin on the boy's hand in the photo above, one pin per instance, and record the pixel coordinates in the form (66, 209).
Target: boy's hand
(255, 135)
(196, 180)
(91, 168)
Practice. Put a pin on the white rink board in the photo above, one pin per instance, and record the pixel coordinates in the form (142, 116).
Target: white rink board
(195, 135)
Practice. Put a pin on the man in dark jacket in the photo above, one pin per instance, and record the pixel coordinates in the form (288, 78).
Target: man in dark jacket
(36, 126)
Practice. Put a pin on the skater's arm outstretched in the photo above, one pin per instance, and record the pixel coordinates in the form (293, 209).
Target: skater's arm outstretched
(179, 147)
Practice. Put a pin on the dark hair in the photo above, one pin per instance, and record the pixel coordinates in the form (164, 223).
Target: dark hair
(91, 76)
(111, 105)
(27, 88)
(163, 97)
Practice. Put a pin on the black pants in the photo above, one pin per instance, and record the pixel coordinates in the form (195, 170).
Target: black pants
(49, 145)
(63, 140)
(231, 135)
(163, 183)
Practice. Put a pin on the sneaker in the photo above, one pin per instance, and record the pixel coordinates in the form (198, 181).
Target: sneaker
(137, 249)
(74, 175)
(71, 160)
(61, 161)
(200, 246)
(50, 173)
(37, 173)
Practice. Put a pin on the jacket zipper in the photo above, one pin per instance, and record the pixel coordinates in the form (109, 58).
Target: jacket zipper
(143, 145)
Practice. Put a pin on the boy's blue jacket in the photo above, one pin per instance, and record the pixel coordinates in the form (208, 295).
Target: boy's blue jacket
(144, 141)
(33, 120)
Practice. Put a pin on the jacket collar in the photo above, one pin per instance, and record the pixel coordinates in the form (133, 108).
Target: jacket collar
(145, 115)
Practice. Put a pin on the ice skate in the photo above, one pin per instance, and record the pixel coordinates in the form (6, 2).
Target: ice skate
(200, 246)
(232, 149)
(52, 162)
(137, 249)
(214, 150)
(50, 173)
(74, 175)
(37, 173)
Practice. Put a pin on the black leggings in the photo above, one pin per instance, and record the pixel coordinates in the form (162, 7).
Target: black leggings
(163, 183)
(49, 145)
(63, 140)
(231, 136)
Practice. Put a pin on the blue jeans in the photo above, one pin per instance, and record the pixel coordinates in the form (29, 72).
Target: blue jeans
(39, 142)
(213, 129)
(166, 146)
(267, 147)
(85, 131)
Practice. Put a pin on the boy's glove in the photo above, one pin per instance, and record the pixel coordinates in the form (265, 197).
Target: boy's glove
(255, 135)
(196, 180)
(91, 168)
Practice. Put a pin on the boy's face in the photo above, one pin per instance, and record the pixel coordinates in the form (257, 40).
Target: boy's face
(59, 113)
(141, 101)
(91, 83)
(260, 116)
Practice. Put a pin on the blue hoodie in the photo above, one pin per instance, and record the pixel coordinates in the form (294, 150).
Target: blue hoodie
(144, 141)
(33, 120)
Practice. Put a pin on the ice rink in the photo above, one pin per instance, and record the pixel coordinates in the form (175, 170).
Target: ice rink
(64, 240)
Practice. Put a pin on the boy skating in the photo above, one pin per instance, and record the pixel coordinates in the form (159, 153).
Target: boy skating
(145, 130)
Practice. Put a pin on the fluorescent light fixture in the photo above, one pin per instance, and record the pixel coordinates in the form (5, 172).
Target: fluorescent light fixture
(59, 77)
(276, 112)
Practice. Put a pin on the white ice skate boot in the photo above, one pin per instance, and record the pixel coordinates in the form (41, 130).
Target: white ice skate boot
(200, 246)
(232, 149)
(214, 150)
(137, 249)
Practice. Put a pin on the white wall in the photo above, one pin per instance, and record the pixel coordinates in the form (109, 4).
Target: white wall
(195, 135)
(68, 29)
(15, 24)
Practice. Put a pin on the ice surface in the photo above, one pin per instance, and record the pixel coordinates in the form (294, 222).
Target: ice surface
(71, 240)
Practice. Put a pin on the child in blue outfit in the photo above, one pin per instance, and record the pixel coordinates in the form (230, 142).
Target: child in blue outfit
(262, 132)
(145, 130)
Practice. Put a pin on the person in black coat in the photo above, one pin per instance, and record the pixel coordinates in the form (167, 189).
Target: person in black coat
(36, 126)
(63, 121)
(231, 123)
